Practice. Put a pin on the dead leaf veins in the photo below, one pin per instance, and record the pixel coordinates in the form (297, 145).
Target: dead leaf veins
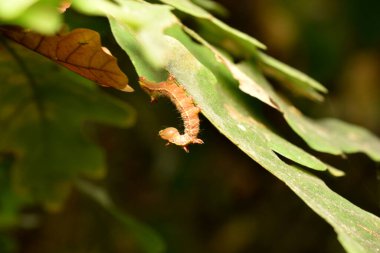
(79, 50)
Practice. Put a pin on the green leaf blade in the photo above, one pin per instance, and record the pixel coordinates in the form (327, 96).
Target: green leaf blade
(233, 37)
(291, 78)
(347, 138)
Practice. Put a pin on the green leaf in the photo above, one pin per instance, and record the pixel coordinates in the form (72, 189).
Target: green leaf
(189, 8)
(96, 7)
(295, 80)
(246, 84)
(42, 111)
(357, 229)
(347, 138)
(39, 15)
(241, 44)
(146, 21)
(148, 240)
(212, 6)
(318, 134)
(13, 9)
(218, 31)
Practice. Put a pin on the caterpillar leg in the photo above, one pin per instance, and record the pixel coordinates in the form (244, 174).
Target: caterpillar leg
(171, 78)
(183, 147)
(153, 99)
(197, 141)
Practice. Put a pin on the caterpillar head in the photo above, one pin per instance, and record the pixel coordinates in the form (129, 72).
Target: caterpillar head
(170, 134)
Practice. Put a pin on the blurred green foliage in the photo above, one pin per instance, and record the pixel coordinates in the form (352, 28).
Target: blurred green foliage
(42, 15)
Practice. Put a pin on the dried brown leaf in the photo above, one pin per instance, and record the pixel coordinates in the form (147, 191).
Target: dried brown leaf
(79, 50)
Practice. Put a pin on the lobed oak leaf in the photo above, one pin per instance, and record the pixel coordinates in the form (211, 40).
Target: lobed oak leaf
(43, 126)
(79, 50)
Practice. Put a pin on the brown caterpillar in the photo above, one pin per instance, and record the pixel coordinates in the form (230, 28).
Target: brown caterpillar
(184, 104)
